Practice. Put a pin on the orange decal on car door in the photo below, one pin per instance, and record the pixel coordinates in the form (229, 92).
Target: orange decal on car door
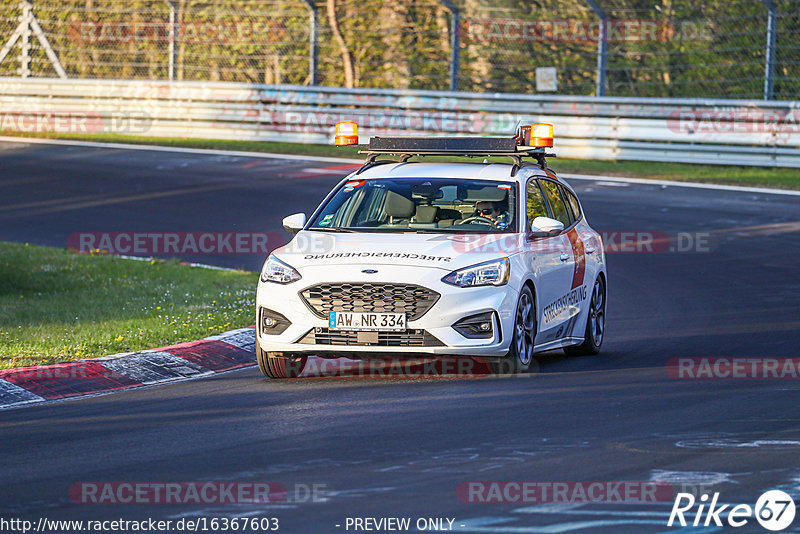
(579, 267)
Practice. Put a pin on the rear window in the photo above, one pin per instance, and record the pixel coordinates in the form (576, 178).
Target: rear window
(573, 203)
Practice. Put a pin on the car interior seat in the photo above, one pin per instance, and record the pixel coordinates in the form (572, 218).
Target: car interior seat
(399, 208)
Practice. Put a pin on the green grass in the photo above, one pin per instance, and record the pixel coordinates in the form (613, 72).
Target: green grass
(718, 174)
(57, 305)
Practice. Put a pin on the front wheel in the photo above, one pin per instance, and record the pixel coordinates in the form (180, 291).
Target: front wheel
(275, 365)
(520, 356)
(595, 323)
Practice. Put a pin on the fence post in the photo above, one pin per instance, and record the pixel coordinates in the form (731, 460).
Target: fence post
(28, 25)
(602, 48)
(172, 39)
(455, 46)
(313, 42)
(25, 40)
(769, 61)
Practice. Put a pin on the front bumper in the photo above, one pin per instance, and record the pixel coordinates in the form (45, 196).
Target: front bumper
(433, 329)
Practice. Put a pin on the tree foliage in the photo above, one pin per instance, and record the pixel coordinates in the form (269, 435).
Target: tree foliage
(669, 48)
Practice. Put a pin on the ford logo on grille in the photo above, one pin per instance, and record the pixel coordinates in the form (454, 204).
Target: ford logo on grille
(369, 271)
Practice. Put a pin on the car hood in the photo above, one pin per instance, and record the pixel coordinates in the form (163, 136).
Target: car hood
(441, 251)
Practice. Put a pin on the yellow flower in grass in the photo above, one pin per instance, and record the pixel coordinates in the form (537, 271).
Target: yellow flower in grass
(118, 338)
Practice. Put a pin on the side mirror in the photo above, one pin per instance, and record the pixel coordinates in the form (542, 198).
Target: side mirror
(294, 223)
(546, 227)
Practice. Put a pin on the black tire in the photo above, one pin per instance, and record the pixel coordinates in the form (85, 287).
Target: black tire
(520, 356)
(595, 323)
(276, 366)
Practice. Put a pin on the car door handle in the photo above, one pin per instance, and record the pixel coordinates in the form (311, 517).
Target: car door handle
(590, 250)
(564, 256)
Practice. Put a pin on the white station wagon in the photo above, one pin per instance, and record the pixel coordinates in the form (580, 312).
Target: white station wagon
(423, 259)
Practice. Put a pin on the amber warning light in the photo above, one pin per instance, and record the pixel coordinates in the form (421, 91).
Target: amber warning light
(542, 135)
(346, 133)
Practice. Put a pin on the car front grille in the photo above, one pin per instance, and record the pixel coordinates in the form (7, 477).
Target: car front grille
(408, 338)
(410, 299)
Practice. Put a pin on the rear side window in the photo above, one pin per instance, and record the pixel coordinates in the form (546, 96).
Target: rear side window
(573, 203)
(557, 205)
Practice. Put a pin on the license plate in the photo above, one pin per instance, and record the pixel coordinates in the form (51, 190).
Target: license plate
(367, 321)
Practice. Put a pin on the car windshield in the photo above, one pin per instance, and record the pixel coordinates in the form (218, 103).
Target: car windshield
(420, 205)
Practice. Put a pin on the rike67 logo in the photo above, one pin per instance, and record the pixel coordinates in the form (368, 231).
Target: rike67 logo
(774, 510)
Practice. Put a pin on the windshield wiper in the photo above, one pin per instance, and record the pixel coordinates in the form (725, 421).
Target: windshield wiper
(343, 230)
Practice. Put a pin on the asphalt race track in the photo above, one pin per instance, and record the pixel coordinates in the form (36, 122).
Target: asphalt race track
(396, 447)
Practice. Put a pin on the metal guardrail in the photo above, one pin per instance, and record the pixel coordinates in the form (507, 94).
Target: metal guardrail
(732, 132)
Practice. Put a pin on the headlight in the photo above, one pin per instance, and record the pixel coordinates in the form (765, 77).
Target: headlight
(490, 273)
(276, 271)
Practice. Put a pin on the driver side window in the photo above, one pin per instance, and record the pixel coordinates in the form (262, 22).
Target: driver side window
(535, 205)
(559, 209)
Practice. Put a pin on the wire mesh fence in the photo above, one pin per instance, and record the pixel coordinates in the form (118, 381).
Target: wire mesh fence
(666, 48)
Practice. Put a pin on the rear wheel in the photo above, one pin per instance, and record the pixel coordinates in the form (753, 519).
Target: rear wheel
(595, 323)
(520, 356)
(276, 365)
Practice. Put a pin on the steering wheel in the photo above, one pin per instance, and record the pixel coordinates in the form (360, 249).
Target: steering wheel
(480, 219)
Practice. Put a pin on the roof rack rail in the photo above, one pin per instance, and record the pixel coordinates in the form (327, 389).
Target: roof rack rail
(407, 147)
